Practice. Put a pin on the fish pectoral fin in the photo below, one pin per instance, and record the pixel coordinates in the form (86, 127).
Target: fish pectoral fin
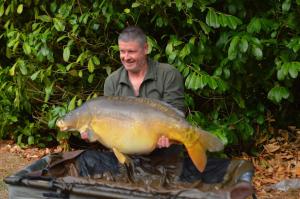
(198, 155)
(121, 157)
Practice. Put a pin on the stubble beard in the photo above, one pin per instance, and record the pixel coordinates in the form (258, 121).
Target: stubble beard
(136, 67)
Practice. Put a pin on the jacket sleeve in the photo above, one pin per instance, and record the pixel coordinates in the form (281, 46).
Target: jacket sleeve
(174, 90)
(109, 88)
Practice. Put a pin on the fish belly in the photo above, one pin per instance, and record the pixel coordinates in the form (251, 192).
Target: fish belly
(129, 137)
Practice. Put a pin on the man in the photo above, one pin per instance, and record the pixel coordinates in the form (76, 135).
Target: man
(140, 76)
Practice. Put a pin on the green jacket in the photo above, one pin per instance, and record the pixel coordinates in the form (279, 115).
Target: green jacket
(162, 82)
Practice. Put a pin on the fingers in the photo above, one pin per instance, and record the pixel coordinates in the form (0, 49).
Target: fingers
(163, 142)
(84, 135)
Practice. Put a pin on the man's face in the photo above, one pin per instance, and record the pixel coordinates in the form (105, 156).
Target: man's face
(133, 55)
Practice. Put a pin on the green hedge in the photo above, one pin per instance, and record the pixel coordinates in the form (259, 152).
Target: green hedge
(240, 60)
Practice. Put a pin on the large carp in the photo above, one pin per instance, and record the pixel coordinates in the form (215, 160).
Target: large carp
(129, 125)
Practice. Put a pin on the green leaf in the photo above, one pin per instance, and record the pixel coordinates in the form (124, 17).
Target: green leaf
(185, 51)
(69, 66)
(30, 140)
(257, 52)
(61, 38)
(58, 24)
(152, 44)
(294, 44)
(230, 21)
(243, 45)
(286, 5)
(218, 71)
(189, 21)
(34, 75)
(48, 90)
(294, 68)
(280, 74)
(20, 9)
(232, 50)
(221, 134)
(96, 60)
(212, 19)
(82, 57)
(254, 26)
(45, 51)
(79, 102)
(26, 48)
(169, 48)
(172, 56)
(222, 86)
(91, 66)
(53, 6)
(72, 104)
(108, 70)
(22, 67)
(19, 139)
(9, 7)
(179, 4)
(205, 27)
(12, 70)
(203, 81)
(226, 72)
(239, 100)
(233, 21)
(66, 54)
(135, 5)
(80, 73)
(189, 3)
(12, 43)
(191, 81)
(45, 18)
(260, 119)
(1, 10)
(277, 93)
(212, 83)
(247, 130)
(223, 20)
(91, 78)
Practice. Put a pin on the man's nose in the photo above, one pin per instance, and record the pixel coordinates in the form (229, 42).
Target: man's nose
(126, 55)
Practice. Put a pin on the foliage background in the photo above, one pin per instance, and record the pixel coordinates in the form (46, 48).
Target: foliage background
(240, 61)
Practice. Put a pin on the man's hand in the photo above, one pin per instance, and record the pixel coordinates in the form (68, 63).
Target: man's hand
(163, 141)
(84, 136)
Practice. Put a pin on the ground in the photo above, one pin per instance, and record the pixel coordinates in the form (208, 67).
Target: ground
(13, 158)
(278, 161)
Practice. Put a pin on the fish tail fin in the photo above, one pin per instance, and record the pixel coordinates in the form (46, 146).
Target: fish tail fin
(210, 142)
(197, 154)
(197, 141)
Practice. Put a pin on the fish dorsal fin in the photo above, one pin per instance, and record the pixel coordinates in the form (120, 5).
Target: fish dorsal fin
(153, 103)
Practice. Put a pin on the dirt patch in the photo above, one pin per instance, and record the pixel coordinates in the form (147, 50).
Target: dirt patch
(10, 162)
(13, 159)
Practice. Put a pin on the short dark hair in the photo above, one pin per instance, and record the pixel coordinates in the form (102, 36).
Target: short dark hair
(133, 33)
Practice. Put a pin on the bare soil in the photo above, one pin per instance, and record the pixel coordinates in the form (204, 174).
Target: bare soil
(13, 159)
(10, 162)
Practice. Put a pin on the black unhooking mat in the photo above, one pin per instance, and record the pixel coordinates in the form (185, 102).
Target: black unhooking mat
(167, 173)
